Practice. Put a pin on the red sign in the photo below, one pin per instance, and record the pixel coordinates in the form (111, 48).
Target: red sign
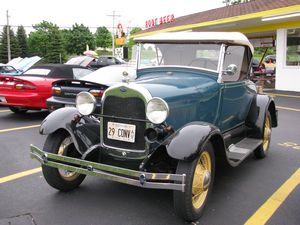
(159, 21)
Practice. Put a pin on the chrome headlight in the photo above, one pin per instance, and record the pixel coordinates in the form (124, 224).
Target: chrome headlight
(85, 103)
(157, 110)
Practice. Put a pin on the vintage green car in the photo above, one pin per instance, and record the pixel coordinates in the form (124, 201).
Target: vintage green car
(192, 107)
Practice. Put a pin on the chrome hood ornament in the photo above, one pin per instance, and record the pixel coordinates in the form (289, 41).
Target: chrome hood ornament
(125, 77)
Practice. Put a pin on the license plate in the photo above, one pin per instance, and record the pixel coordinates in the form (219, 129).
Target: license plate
(121, 132)
(2, 99)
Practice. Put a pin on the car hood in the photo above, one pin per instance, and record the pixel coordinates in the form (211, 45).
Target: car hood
(80, 61)
(178, 84)
(26, 63)
(110, 75)
(190, 94)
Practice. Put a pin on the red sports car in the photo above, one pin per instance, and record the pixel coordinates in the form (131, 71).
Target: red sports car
(31, 89)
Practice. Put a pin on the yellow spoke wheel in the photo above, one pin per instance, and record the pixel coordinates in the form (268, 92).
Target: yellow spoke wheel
(201, 180)
(267, 134)
(198, 184)
(263, 149)
(61, 143)
(63, 148)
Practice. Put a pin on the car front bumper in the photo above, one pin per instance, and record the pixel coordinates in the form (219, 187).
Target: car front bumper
(108, 172)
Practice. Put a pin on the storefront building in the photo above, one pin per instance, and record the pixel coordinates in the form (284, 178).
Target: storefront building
(259, 20)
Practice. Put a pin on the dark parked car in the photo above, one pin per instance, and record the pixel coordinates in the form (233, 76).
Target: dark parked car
(255, 65)
(64, 91)
(271, 58)
(105, 61)
(191, 106)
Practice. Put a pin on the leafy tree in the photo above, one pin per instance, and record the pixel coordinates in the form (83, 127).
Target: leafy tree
(22, 39)
(46, 42)
(77, 39)
(103, 37)
(57, 53)
(14, 45)
(131, 42)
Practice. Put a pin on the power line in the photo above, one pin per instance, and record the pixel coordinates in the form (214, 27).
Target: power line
(62, 27)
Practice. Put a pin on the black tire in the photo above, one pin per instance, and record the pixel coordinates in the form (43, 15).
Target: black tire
(56, 177)
(263, 149)
(18, 110)
(186, 204)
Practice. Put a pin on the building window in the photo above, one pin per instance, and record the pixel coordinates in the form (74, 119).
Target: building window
(293, 47)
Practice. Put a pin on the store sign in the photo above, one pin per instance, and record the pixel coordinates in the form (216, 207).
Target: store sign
(119, 53)
(120, 35)
(159, 21)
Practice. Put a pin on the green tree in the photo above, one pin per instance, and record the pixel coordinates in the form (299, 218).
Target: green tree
(46, 42)
(22, 39)
(57, 53)
(103, 38)
(77, 39)
(14, 45)
(131, 42)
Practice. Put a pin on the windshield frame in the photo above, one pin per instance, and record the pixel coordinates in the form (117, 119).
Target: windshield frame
(218, 58)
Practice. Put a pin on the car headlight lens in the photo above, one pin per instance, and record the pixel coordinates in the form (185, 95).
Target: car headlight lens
(157, 110)
(85, 103)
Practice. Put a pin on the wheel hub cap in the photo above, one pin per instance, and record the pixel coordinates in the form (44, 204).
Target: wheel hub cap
(205, 180)
(202, 180)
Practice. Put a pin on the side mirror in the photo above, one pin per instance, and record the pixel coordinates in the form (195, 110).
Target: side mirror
(230, 70)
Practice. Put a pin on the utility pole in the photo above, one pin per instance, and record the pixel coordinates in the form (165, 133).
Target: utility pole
(8, 37)
(113, 30)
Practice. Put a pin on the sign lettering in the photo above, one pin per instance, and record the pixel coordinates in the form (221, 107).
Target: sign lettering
(160, 20)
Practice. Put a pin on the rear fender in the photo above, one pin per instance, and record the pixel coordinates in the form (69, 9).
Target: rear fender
(186, 143)
(84, 131)
(264, 103)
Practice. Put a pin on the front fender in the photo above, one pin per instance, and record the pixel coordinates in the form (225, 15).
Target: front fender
(186, 143)
(84, 131)
(58, 119)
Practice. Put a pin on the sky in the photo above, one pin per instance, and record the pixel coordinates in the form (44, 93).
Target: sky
(95, 13)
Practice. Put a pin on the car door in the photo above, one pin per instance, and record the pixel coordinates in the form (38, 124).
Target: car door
(236, 90)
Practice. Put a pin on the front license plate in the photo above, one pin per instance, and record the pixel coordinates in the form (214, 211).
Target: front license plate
(2, 99)
(121, 132)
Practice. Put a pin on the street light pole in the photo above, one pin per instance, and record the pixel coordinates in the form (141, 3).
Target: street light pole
(8, 37)
(113, 30)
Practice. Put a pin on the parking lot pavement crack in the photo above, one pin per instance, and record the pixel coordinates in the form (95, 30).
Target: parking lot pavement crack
(23, 219)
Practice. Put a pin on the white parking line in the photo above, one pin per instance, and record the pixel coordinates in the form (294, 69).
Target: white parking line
(4, 110)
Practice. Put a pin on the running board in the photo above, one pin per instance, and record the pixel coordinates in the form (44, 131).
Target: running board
(238, 152)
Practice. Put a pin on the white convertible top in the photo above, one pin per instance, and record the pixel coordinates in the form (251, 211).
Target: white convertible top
(186, 37)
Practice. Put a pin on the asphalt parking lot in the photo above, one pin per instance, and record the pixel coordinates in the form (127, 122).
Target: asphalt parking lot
(263, 191)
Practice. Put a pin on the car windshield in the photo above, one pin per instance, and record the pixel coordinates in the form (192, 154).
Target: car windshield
(203, 55)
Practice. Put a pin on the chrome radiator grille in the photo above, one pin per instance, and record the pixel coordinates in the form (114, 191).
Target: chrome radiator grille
(125, 110)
